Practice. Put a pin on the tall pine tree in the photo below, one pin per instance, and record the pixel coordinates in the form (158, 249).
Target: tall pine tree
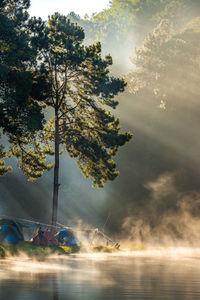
(80, 89)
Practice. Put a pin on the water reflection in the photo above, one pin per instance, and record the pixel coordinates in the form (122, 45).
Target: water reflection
(55, 291)
(99, 277)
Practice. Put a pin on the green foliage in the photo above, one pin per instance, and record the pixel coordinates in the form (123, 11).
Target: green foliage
(80, 87)
(105, 249)
(161, 63)
(32, 156)
(22, 87)
(3, 169)
(126, 22)
(30, 250)
(19, 112)
(71, 249)
(2, 252)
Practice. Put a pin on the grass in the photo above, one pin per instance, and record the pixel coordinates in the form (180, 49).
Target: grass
(2, 252)
(70, 250)
(31, 250)
(105, 249)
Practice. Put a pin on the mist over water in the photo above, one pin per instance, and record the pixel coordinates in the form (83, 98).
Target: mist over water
(128, 275)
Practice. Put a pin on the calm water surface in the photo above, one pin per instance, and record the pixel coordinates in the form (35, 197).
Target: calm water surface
(150, 275)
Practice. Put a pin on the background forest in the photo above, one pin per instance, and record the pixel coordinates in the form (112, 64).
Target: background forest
(155, 46)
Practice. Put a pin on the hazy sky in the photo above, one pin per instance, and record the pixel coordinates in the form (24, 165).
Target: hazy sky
(43, 8)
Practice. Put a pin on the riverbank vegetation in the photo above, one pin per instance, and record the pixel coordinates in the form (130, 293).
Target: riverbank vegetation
(27, 248)
(32, 251)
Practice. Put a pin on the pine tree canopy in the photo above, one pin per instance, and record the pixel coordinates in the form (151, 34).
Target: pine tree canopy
(19, 112)
(80, 93)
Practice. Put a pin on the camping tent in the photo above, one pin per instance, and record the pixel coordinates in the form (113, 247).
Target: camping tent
(66, 238)
(10, 231)
(44, 238)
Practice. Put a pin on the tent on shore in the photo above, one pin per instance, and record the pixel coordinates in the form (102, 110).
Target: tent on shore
(10, 231)
(44, 238)
(67, 238)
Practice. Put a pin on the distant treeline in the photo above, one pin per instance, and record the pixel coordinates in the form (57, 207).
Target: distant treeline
(126, 23)
(159, 43)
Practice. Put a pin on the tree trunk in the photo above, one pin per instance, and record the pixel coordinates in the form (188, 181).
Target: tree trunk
(56, 172)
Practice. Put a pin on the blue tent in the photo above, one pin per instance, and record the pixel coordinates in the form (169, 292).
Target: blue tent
(66, 238)
(10, 232)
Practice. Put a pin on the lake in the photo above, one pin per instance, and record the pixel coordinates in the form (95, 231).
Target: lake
(153, 274)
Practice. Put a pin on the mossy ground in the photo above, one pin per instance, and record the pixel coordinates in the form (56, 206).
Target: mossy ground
(31, 250)
(2, 252)
(70, 250)
(105, 249)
